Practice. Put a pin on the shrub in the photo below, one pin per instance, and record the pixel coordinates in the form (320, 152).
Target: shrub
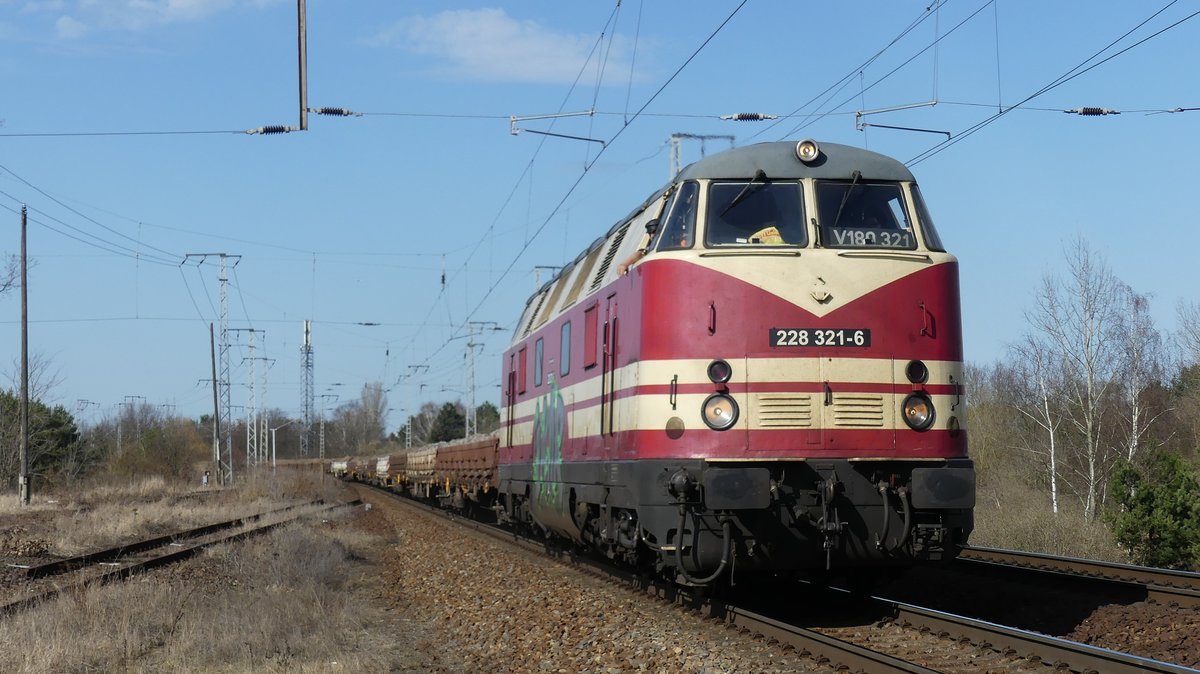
(1159, 515)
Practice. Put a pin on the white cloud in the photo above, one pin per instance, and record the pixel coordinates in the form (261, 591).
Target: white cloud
(67, 28)
(489, 45)
(77, 17)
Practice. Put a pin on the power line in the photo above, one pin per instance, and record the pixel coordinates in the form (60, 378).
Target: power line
(115, 249)
(893, 71)
(841, 83)
(85, 134)
(583, 174)
(42, 192)
(1057, 82)
(491, 227)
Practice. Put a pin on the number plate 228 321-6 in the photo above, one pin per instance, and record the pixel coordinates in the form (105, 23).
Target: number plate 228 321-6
(820, 337)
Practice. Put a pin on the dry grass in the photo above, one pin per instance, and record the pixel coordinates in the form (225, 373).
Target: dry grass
(1020, 518)
(282, 603)
(110, 514)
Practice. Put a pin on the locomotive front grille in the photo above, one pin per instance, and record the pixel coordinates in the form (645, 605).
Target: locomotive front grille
(784, 410)
(857, 410)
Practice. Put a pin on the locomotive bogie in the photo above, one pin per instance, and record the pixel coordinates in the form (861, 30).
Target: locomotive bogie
(782, 515)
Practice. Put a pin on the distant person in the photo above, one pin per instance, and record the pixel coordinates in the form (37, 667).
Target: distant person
(642, 249)
(204, 479)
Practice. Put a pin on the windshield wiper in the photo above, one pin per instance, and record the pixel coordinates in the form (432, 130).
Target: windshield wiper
(846, 197)
(759, 175)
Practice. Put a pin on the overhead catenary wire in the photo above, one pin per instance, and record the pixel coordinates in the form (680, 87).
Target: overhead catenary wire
(51, 197)
(894, 70)
(1069, 75)
(841, 83)
(105, 246)
(632, 60)
(570, 190)
(191, 295)
(526, 172)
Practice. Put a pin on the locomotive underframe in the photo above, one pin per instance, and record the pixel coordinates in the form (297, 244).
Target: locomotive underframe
(754, 515)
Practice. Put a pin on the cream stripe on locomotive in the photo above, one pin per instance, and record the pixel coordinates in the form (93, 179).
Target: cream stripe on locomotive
(819, 275)
(793, 369)
(760, 410)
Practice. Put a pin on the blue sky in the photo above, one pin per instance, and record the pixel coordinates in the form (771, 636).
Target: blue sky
(353, 221)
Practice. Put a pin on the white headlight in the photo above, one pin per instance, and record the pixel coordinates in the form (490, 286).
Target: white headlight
(918, 412)
(807, 150)
(720, 411)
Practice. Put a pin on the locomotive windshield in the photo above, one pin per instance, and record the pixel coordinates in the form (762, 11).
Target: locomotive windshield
(755, 213)
(858, 214)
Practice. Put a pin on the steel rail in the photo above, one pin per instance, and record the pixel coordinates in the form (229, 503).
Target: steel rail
(78, 561)
(841, 655)
(1166, 586)
(1062, 654)
(156, 561)
(1059, 653)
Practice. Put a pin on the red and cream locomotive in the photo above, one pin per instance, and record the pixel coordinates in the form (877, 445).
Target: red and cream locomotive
(769, 379)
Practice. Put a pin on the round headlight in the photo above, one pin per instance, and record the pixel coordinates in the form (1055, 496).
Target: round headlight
(719, 371)
(807, 150)
(720, 412)
(918, 412)
(916, 372)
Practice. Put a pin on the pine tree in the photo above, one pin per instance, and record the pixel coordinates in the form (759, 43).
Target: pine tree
(1159, 516)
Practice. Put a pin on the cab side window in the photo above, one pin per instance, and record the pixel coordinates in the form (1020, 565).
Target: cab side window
(679, 230)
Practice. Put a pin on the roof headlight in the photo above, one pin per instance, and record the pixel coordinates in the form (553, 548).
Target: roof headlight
(720, 412)
(807, 150)
(918, 412)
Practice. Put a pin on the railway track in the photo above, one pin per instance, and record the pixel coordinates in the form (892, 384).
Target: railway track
(1061, 654)
(1165, 586)
(120, 562)
(840, 654)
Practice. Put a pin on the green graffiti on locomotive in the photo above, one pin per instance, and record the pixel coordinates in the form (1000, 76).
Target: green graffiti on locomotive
(549, 432)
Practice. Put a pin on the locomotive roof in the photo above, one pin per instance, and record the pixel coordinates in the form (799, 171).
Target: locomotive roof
(778, 161)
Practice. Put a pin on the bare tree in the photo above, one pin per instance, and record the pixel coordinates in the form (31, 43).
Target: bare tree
(1143, 357)
(10, 273)
(1189, 331)
(358, 425)
(1045, 375)
(42, 379)
(1079, 319)
(422, 423)
(374, 406)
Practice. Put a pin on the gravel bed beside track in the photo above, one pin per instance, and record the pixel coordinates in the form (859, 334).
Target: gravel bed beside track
(1074, 609)
(501, 610)
(498, 609)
